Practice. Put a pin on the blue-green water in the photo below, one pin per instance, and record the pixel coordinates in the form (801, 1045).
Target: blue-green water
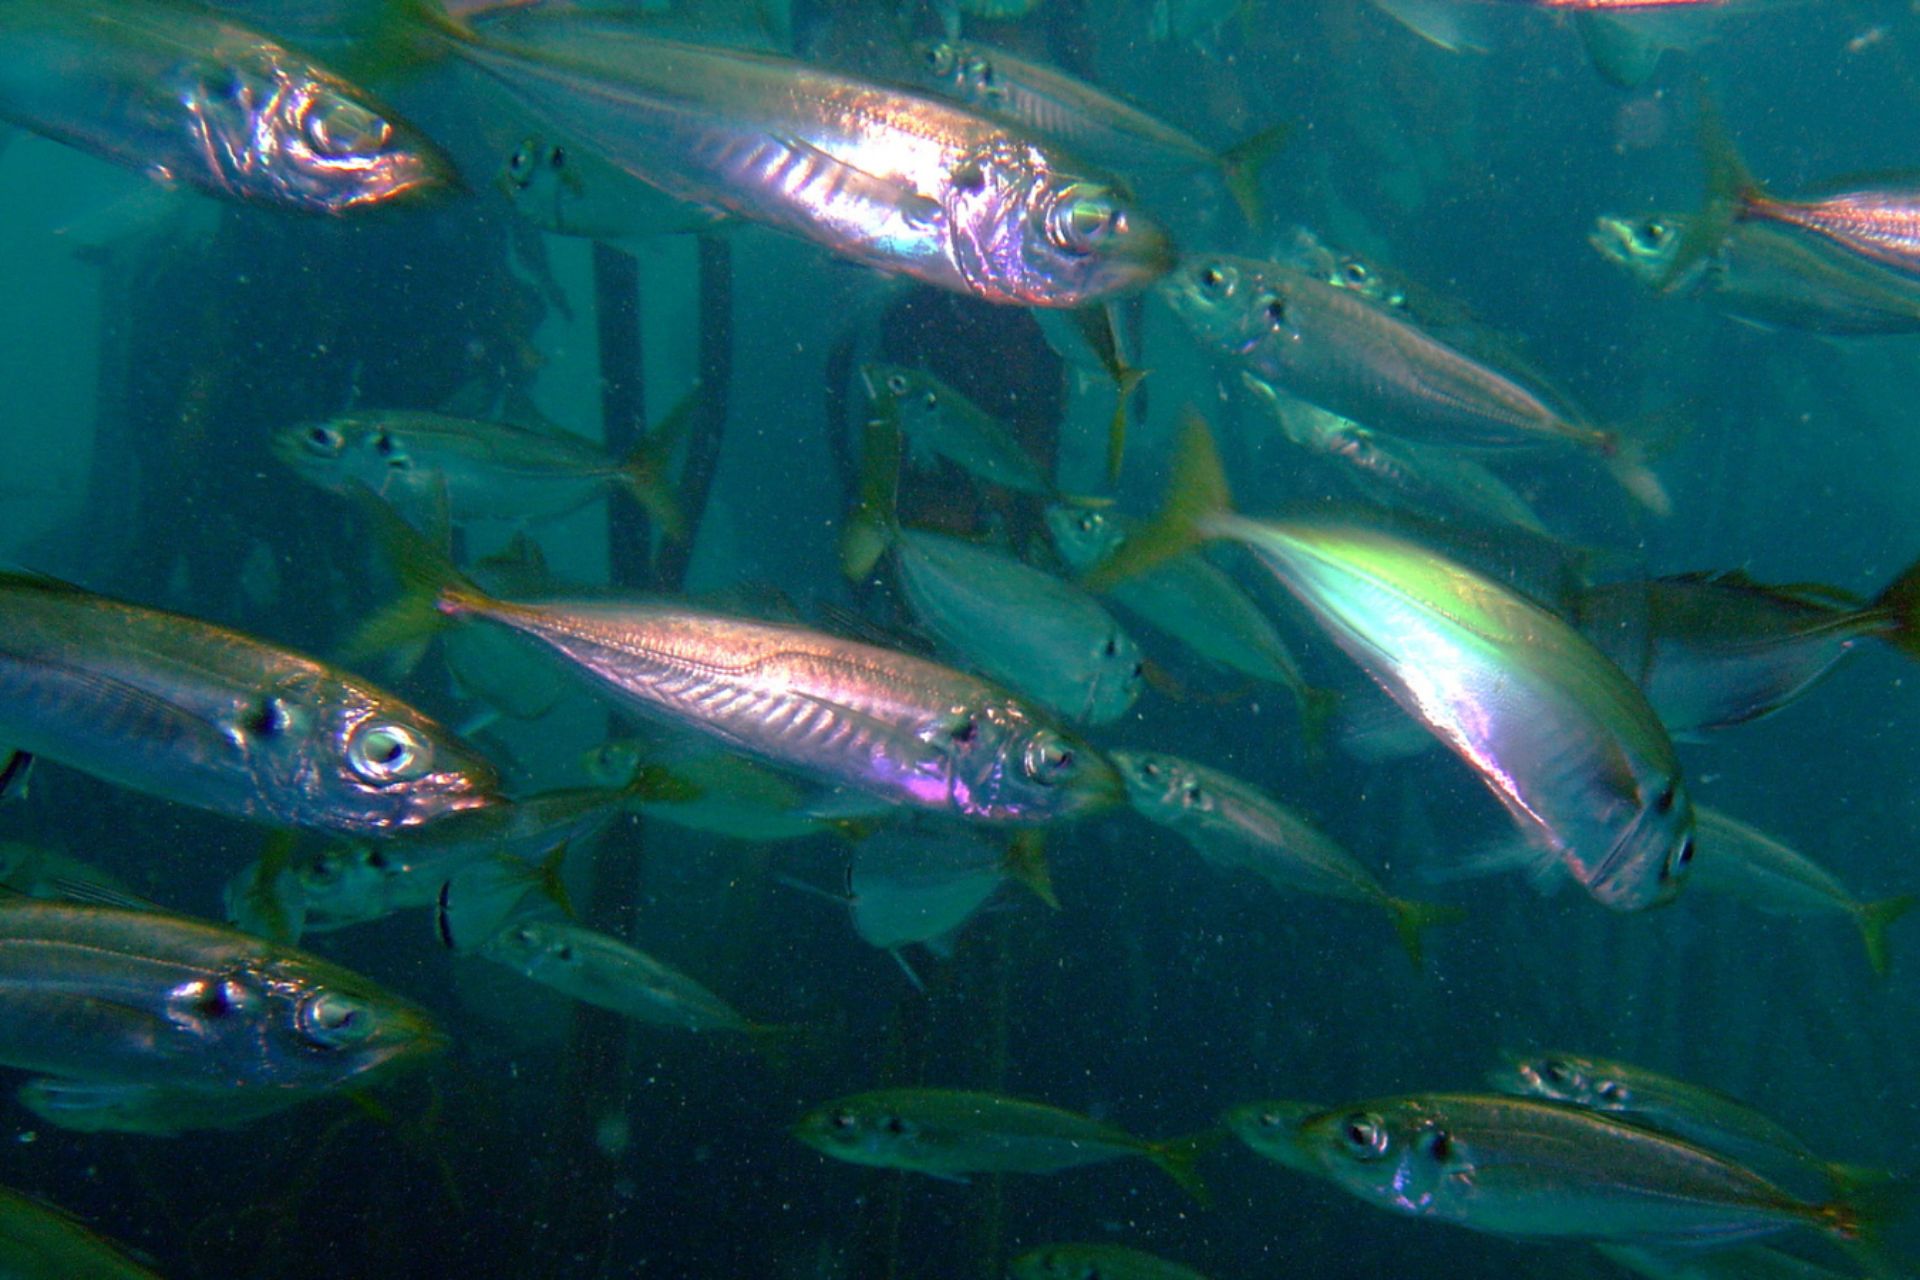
(154, 340)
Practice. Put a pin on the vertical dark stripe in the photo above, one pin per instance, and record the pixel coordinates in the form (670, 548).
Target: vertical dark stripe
(623, 400)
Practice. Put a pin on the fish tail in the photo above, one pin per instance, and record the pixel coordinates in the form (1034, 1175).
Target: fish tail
(868, 530)
(1026, 864)
(1856, 1224)
(404, 37)
(1900, 603)
(644, 471)
(1873, 919)
(1318, 707)
(432, 591)
(1180, 1159)
(1196, 496)
(1099, 328)
(1731, 190)
(1411, 917)
(1240, 167)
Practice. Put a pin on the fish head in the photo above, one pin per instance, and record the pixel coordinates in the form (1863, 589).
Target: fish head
(277, 129)
(1650, 859)
(1274, 1130)
(615, 763)
(1084, 536)
(342, 756)
(347, 883)
(344, 452)
(1398, 1153)
(331, 1025)
(1163, 788)
(1118, 670)
(1563, 1077)
(864, 1130)
(1229, 303)
(1027, 233)
(909, 394)
(963, 71)
(1010, 765)
(1645, 247)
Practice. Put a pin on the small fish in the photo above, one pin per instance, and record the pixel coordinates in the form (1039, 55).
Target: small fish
(1237, 827)
(914, 885)
(1561, 737)
(1774, 277)
(1713, 650)
(1272, 1129)
(570, 190)
(111, 995)
(1095, 1262)
(1088, 120)
(40, 1242)
(950, 1133)
(1703, 1116)
(480, 470)
(204, 716)
(907, 184)
(1190, 599)
(847, 714)
(711, 792)
(186, 96)
(1745, 863)
(937, 421)
(1335, 348)
(1537, 1170)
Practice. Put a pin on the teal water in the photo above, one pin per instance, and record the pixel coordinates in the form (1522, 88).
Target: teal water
(153, 341)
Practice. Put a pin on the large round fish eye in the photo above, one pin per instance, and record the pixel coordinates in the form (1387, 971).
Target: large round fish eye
(897, 384)
(1083, 217)
(324, 441)
(1048, 758)
(383, 751)
(1217, 277)
(339, 128)
(939, 57)
(843, 1120)
(1364, 1135)
(333, 1020)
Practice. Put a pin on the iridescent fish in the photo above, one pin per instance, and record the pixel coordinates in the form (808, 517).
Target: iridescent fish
(1559, 735)
(907, 184)
(188, 97)
(179, 708)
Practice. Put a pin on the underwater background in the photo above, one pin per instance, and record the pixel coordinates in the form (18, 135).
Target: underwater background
(154, 340)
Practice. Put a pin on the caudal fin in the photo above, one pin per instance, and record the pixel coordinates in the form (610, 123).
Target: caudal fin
(1873, 919)
(868, 529)
(1180, 1158)
(1026, 864)
(645, 470)
(1730, 189)
(1240, 167)
(431, 588)
(1198, 492)
(1410, 918)
(1900, 603)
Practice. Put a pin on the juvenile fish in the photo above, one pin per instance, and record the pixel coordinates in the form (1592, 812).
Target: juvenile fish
(950, 1133)
(185, 96)
(571, 190)
(1237, 827)
(937, 421)
(179, 708)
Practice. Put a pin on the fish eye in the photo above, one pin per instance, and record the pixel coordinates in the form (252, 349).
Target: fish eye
(1365, 1135)
(897, 383)
(1148, 769)
(1356, 272)
(1192, 794)
(324, 440)
(896, 1126)
(1082, 218)
(1653, 230)
(1611, 1091)
(340, 128)
(1557, 1072)
(842, 1120)
(1664, 802)
(1048, 758)
(385, 751)
(1214, 277)
(939, 57)
(557, 158)
(333, 1020)
(1439, 1145)
(1111, 648)
(1275, 311)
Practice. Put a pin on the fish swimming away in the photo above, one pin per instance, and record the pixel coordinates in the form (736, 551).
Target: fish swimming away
(1095, 1262)
(187, 96)
(205, 716)
(937, 421)
(950, 1133)
(1237, 827)
(843, 713)
(1336, 348)
(922, 885)
(907, 184)
(1559, 734)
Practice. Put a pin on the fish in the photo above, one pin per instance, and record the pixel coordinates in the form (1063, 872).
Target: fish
(1561, 737)
(152, 1110)
(112, 995)
(1107, 130)
(1192, 600)
(599, 969)
(1237, 827)
(711, 792)
(1745, 863)
(1741, 1262)
(1336, 348)
(40, 1242)
(1718, 649)
(40, 872)
(1095, 1262)
(1534, 1170)
(191, 98)
(1703, 1116)
(907, 184)
(1770, 276)
(1272, 1129)
(1023, 627)
(204, 716)
(951, 1133)
(570, 190)
(937, 421)
(921, 885)
(848, 714)
(482, 471)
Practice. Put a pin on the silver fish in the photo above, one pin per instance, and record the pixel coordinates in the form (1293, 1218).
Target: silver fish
(938, 421)
(185, 96)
